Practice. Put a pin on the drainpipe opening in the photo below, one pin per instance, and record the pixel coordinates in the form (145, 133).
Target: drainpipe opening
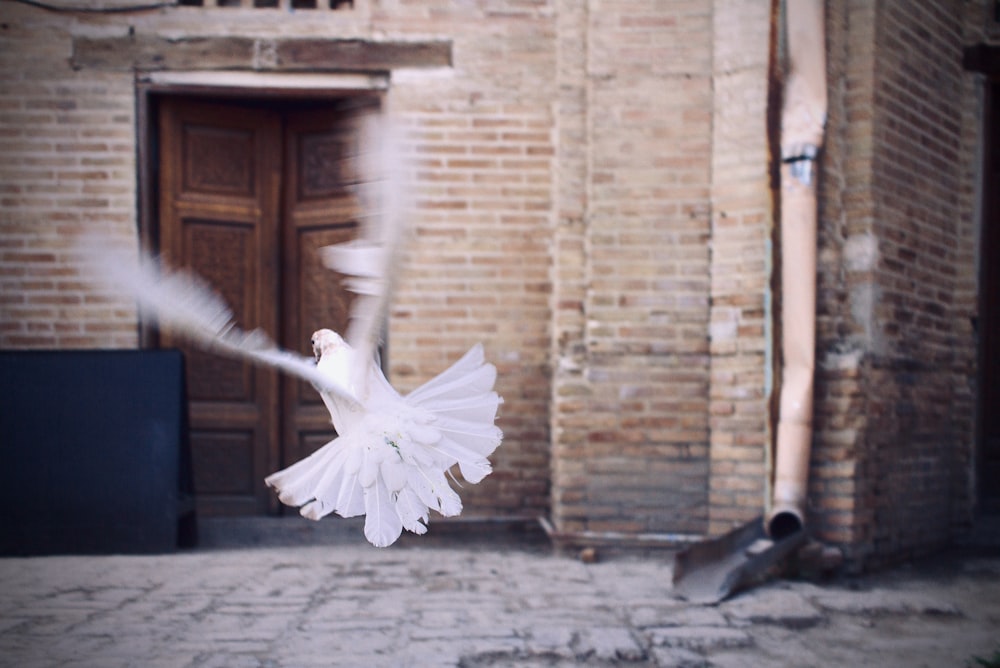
(784, 524)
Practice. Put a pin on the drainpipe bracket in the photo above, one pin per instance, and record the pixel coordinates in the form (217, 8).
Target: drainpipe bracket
(801, 159)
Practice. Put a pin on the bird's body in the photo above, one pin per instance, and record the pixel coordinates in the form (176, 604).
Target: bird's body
(390, 459)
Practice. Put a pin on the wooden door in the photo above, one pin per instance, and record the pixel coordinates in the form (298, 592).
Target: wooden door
(320, 208)
(219, 200)
(247, 195)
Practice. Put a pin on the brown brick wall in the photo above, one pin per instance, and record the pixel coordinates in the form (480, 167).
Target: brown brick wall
(840, 503)
(593, 205)
(568, 348)
(68, 156)
(742, 227)
(629, 407)
(894, 427)
(917, 185)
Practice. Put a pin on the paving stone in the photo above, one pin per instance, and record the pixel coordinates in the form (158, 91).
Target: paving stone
(651, 614)
(609, 644)
(884, 602)
(678, 657)
(228, 660)
(769, 605)
(171, 660)
(551, 640)
(8, 625)
(458, 633)
(692, 615)
(700, 638)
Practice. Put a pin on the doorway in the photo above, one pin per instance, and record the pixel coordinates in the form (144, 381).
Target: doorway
(248, 190)
(988, 465)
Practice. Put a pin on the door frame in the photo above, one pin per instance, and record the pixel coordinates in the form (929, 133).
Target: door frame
(984, 60)
(988, 324)
(284, 90)
(150, 87)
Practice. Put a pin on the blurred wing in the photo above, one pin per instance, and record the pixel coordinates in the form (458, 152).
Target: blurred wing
(371, 262)
(368, 268)
(188, 306)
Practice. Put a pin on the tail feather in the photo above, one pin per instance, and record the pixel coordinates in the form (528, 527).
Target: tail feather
(476, 408)
(295, 483)
(433, 490)
(382, 522)
(393, 471)
(473, 466)
(350, 498)
(412, 512)
(481, 439)
(469, 375)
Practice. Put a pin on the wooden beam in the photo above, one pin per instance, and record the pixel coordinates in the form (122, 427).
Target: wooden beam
(148, 52)
(153, 53)
(322, 54)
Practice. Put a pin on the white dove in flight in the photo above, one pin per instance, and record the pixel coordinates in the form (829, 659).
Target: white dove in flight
(393, 452)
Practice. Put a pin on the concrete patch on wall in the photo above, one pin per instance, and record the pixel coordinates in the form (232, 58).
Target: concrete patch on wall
(843, 359)
(861, 252)
(724, 325)
(864, 298)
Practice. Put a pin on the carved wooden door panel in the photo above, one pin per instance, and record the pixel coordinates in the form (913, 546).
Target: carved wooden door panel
(320, 208)
(247, 196)
(219, 204)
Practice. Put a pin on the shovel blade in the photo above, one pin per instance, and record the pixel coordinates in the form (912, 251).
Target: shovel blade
(710, 571)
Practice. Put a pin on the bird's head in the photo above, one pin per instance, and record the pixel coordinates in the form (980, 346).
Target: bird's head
(325, 341)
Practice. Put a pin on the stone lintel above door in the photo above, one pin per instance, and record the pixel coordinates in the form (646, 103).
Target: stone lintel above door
(139, 52)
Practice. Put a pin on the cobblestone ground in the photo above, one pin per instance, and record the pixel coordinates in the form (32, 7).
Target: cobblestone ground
(352, 605)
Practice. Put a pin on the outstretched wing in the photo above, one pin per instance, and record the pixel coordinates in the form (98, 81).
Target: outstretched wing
(188, 306)
(371, 262)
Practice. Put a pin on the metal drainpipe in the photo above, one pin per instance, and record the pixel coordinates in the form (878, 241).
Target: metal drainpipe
(802, 124)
